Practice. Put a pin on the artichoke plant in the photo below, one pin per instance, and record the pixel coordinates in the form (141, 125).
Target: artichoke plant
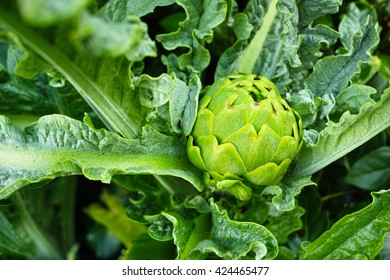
(245, 135)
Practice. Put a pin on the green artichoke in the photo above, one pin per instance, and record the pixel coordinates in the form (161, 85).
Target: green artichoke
(245, 134)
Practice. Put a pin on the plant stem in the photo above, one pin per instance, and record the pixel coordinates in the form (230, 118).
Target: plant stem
(252, 51)
(337, 194)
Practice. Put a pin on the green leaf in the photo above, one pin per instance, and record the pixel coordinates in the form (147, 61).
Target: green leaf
(147, 197)
(122, 17)
(252, 51)
(95, 95)
(282, 224)
(19, 61)
(105, 83)
(46, 12)
(146, 248)
(199, 232)
(59, 146)
(283, 194)
(122, 8)
(338, 139)
(372, 171)
(233, 240)
(352, 20)
(186, 117)
(359, 235)
(313, 39)
(242, 28)
(9, 239)
(202, 16)
(331, 74)
(100, 36)
(183, 226)
(181, 99)
(161, 228)
(26, 91)
(113, 217)
(286, 254)
(272, 45)
(310, 10)
(352, 98)
(258, 211)
(187, 224)
(306, 105)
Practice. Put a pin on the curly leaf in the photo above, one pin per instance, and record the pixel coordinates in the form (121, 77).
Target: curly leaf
(352, 98)
(161, 228)
(191, 224)
(202, 16)
(314, 40)
(157, 94)
(306, 105)
(147, 197)
(359, 235)
(100, 36)
(353, 19)
(121, 9)
(183, 222)
(232, 239)
(332, 73)
(187, 224)
(338, 139)
(309, 10)
(283, 194)
(19, 61)
(59, 146)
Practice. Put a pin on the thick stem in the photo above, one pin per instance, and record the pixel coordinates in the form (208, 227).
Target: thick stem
(253, 50)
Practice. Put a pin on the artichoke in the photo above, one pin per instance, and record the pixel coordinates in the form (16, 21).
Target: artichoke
(245, 134)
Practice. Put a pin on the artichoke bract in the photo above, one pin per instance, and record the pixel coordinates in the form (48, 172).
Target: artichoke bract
(245, 134)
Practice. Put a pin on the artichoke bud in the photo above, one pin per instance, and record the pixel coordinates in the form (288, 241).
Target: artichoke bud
(245, 134)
